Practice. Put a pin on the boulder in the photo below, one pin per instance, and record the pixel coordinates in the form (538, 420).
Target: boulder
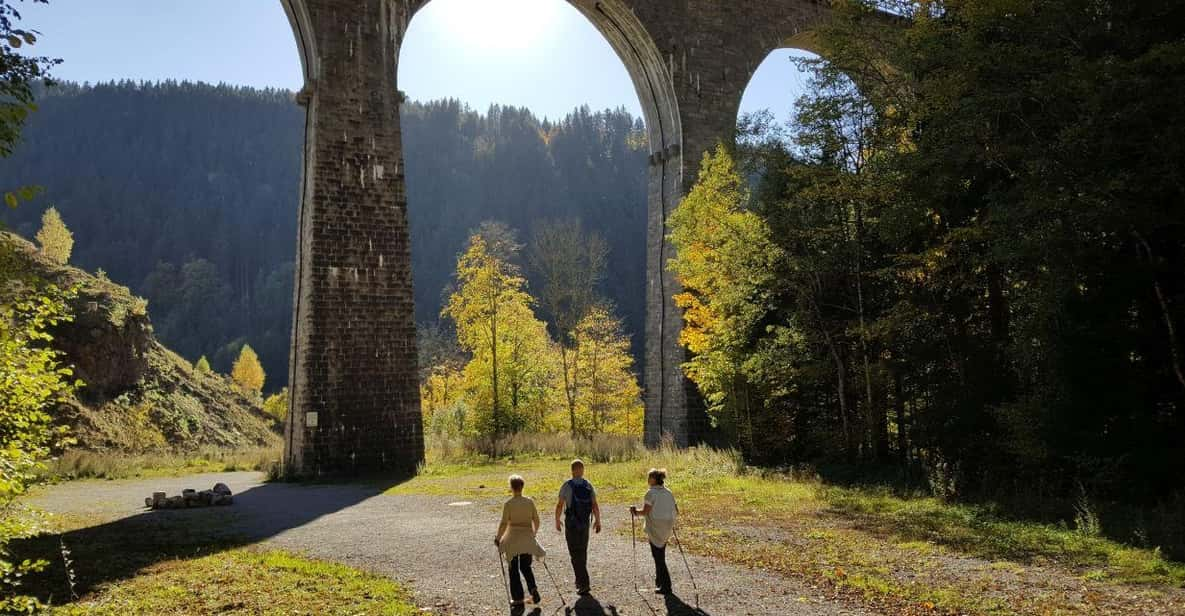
(222, 488)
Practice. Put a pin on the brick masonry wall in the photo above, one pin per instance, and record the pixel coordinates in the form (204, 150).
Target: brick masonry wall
(355, 398)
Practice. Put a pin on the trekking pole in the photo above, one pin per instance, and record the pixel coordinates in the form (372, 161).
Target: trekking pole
(679, 542)
(634, 549)
(502, 566)
(637, 571)
(558, 592)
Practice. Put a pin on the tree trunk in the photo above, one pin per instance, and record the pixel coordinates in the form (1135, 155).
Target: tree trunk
(870, 410)
(1165, 311)
(570, 383)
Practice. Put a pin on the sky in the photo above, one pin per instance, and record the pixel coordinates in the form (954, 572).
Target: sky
(541, 54)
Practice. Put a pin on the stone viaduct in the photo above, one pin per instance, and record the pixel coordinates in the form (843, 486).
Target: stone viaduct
(354, 391)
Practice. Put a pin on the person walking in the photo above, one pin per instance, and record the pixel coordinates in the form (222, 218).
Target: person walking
(516, 541)
(660, 511)
(577, 505)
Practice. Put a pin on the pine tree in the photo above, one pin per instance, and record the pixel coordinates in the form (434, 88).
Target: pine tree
(248, 372)
(202, 365)
(56, 240)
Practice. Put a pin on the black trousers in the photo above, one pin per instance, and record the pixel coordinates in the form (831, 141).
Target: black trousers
(521, 564)
(577, 539)
(662, 575)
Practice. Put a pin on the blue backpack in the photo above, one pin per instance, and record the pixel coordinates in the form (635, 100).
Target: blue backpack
(580, 508)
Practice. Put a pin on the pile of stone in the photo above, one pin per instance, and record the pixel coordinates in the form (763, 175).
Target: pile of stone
(220, 495)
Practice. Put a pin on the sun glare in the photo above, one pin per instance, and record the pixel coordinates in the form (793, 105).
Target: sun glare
(494, 25)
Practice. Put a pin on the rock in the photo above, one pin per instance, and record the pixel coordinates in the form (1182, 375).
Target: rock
(158, 498)
(188, 492)
(225, 499)
(148, 501)
(175, 502)
(222, 488)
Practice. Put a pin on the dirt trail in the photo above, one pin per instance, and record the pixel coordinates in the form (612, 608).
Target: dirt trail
(442, 550)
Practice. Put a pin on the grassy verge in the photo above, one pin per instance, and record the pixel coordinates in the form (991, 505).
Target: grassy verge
(245, 581)
(909, 554)
(81, 464)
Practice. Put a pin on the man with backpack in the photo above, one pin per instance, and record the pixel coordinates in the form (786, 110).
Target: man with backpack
(577, 504)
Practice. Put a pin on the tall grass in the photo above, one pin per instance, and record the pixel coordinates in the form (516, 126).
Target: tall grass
(83, 464)
(597, 448)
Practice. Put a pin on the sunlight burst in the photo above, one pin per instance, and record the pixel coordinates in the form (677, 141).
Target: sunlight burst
(496, 25)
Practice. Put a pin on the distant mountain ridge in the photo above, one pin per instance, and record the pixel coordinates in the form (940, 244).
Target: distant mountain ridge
(189, 192)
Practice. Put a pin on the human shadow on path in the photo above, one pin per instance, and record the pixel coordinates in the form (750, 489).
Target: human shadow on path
(588, 605)
(119, 549)
(676, 607)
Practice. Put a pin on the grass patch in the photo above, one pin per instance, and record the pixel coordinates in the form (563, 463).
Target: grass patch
(82, 464)
(245, 581)
(978, 531)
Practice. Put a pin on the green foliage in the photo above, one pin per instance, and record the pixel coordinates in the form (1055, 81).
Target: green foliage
(248, 372)
(32, 380)
(971, 264)
(276, 405)
(55, 239)
(202, 365)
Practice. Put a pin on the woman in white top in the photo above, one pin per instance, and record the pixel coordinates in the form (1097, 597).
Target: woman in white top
(660, 512)
(516, 541)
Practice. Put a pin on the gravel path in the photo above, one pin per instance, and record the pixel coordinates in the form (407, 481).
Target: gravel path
(442, 550)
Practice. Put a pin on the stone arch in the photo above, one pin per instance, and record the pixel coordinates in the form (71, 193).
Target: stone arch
(649, 71)
(354, 400)
(353, 387)
(306, 44)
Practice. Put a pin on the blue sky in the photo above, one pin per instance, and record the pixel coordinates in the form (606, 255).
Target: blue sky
(541, 54)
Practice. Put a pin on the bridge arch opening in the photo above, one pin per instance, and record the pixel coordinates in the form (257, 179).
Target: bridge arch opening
(771, 95)
(654, 145)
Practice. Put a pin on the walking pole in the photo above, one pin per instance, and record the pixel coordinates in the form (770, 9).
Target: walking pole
(634, 549)
(637, 571)
(502, 566)
(679, 542)
(558, 592)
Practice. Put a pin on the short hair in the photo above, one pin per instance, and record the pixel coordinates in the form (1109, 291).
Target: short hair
(659, 475)
(517, 482)
(577, 462)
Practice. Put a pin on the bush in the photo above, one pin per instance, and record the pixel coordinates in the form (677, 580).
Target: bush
(32, 381)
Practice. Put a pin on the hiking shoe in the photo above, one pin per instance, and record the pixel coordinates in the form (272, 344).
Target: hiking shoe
(535, 598)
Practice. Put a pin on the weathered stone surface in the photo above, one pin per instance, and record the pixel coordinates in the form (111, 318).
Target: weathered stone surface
(354, 395)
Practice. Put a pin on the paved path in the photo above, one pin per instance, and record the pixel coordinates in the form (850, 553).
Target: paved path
(440, 549)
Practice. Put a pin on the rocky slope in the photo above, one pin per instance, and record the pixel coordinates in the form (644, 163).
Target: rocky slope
(139, 396)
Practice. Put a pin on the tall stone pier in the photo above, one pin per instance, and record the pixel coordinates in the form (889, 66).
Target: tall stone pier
(353, 375)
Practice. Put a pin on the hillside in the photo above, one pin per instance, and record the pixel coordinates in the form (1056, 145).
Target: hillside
(139, 396)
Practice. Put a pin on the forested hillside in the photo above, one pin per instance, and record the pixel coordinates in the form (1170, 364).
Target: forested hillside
(189, 193)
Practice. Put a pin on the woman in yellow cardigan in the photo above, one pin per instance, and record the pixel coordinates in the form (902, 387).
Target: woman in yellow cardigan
(516, 541)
